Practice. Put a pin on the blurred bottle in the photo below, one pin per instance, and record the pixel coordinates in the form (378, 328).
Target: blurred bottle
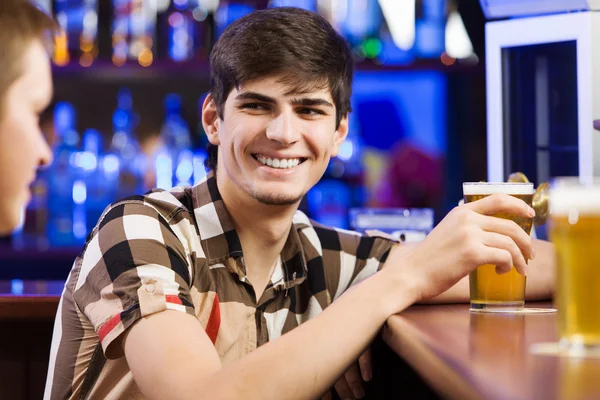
(174, 163)
(120, 31)
(79, 22)
(126, 149)
(143, 25)
(100, 185)
(61, 177)
(181, 31)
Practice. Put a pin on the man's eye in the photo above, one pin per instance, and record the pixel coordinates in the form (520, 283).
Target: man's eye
(254, 106)
(310, 111)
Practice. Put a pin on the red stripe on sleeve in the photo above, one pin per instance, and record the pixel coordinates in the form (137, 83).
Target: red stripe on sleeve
(173, 298)
(108, 326)
(214, 321)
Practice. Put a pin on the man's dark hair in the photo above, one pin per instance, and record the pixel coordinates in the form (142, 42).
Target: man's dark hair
(298, 47)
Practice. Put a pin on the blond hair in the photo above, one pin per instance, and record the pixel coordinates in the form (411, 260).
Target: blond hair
(20, 23)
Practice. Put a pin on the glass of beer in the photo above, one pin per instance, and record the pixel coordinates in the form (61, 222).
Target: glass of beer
(490, 291)
(575, 231)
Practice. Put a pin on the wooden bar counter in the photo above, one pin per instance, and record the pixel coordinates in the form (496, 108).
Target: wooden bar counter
(26, 323)
(464, 355)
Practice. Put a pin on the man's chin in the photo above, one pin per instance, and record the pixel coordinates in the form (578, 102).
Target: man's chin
(277, 199)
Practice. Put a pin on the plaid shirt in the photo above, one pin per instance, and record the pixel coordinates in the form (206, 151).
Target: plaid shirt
(178, 250)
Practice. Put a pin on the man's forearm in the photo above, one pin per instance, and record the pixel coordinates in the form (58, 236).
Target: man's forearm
(305, 362)
(540, 273)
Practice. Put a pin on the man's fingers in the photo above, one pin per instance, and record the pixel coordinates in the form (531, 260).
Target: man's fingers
(499, 202)
(502, 259)
(355, 381)
(327, 396)
(364, 362)
(510, 229)
(499, 241)
(342, 389)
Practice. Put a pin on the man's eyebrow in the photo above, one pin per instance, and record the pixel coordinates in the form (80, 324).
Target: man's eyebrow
(255, 96)
(306, 101)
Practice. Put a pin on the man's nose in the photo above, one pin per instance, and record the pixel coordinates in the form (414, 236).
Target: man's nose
(284, 128)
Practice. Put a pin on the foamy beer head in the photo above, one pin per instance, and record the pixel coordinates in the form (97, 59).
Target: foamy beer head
(571, 197)
(575, 232)
(482, 189)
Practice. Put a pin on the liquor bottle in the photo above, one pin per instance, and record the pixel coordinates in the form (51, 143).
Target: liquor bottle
(174, 162)
(126, 149)
(61, 177)
(100, 188)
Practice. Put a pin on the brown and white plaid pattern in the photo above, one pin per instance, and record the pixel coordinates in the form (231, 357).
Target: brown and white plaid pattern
(178, 250)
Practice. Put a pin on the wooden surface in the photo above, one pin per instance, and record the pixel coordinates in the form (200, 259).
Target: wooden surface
(465, 355)
(26, 323)
(28, 308)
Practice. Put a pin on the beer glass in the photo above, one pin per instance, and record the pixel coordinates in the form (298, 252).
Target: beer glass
(488, 290)
(575, 231)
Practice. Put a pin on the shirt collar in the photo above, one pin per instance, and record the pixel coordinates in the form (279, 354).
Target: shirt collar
(221, 243)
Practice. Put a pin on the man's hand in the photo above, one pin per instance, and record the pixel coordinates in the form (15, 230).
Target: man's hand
(350, 385)
(469, 236)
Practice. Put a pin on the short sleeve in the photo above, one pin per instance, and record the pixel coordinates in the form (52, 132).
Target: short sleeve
(133, 265)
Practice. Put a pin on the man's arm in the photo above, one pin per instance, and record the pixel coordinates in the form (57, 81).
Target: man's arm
(540, 278)
(171, 356)
(302, 364)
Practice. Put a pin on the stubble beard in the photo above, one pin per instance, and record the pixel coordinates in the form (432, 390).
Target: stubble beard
(274, 199)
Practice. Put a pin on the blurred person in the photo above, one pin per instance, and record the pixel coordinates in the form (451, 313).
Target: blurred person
(225, 289)
(25, 91)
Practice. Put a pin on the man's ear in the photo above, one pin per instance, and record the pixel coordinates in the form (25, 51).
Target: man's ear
(340, 136)
(210, 120)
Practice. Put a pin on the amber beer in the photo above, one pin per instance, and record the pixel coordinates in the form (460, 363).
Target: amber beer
(575, 231)
(487, 288)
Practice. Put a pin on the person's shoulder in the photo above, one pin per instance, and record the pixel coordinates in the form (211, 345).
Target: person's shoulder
(328, 236)
(157, 202)
(336, 238)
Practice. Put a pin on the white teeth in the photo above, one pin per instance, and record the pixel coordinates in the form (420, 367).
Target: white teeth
(279, 163)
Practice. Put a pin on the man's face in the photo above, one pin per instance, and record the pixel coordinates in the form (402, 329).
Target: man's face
(22, 146)
(275, 145)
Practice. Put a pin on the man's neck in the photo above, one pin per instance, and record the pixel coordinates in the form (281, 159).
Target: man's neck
(262, 228)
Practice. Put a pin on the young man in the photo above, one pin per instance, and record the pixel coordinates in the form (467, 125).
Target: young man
(25, 91)
(225, 290)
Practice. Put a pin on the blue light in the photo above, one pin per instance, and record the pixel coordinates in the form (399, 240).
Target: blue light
(92, 141)
(229, 13)
(164, 171)
(110, 164)
(124, 99)
(87, 161)
(79, 221)
(16, 287)
(79, 192)
(120, 119)
(181, 4)
(346, 150)
(64, 117)
(306, 4)
(185, 169)
(173, 102)
(199, 170)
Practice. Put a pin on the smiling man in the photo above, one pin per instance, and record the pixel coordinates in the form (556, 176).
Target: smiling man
(225, 289)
